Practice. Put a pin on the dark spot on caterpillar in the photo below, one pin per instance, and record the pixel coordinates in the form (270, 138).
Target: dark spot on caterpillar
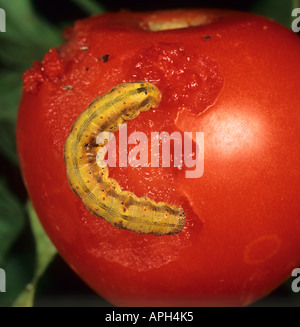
(206, 37)
(144, 103)
(86, 68)
(104, 58)
(141, 89)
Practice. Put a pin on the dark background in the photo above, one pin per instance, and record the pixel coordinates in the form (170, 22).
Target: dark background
(59, 286)
(69, 11)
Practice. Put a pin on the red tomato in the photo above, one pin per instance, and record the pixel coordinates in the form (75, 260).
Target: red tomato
(234, 76)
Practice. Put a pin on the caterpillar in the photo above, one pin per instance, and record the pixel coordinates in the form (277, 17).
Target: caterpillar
(100, 194)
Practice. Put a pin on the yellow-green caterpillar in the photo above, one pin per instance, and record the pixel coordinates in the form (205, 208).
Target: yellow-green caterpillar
(102, 195)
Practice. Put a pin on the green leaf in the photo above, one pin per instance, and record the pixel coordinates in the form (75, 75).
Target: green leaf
(91, 7)
(278, 10)
(27, 35)
(11, 220)
(45, 253)
(19, 269)
(45, 250)
(10, 89)
(26, 298)
(20, 58)
(8, 141)
(25, 26)
(296, 4)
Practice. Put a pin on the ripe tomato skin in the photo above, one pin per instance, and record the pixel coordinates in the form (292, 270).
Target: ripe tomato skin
(236, 78)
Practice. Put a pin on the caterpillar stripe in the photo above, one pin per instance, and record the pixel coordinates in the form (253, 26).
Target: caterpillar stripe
(100, 194)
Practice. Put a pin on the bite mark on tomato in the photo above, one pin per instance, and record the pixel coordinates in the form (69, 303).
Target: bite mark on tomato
(51, 68)
(186, 79)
